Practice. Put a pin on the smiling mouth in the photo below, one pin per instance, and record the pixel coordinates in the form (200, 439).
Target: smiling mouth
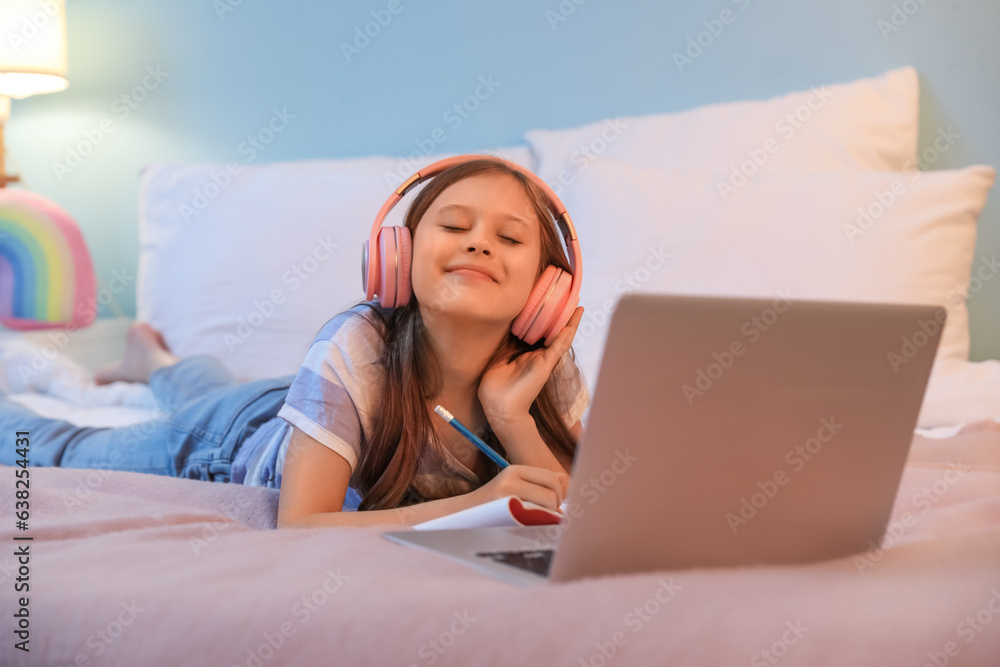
(471, 272)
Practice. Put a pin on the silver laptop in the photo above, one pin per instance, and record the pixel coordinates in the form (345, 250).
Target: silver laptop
(725, 432)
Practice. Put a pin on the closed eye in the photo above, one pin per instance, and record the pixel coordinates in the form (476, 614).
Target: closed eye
(455, 228)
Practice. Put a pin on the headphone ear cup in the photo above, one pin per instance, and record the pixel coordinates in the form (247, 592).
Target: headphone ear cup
(553, 315)
(544, 306)
(365, 273)
(527, 315)
(385, 288)
(405, 246)
(393, 288)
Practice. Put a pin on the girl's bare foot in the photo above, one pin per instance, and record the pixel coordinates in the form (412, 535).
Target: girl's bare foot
(145, 352)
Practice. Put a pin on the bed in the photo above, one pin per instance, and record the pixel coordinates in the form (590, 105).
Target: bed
(134, 569)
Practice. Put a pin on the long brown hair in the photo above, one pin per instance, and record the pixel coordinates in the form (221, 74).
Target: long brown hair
(401, 421)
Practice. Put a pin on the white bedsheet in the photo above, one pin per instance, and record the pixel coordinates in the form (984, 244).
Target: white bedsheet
(57, 386)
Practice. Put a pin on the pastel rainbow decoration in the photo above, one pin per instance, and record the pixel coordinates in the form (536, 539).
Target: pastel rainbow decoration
(46, 276)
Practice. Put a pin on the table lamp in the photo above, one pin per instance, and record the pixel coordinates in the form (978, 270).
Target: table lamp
(46, 275)
(32, 56)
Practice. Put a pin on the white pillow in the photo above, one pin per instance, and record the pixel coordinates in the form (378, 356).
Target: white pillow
(669, 231)
(869, 124)
(248, 267)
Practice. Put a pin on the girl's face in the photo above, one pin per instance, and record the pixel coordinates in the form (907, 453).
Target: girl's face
(476, 250)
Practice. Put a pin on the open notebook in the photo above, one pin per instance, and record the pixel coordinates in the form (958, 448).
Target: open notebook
(507, 511)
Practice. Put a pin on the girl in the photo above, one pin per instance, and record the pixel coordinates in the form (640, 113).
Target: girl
(355, 426)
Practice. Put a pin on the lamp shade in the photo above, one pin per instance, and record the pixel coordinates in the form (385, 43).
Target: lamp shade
(32, 47)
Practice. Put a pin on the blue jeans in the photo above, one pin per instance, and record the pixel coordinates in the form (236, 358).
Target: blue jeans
(208, 416)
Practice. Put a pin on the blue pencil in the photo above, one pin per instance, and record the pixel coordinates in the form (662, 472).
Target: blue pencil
(471, 437)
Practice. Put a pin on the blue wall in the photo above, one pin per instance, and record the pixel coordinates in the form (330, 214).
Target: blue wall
(225, 65)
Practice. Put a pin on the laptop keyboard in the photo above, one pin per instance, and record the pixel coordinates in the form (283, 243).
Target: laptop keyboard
(536, 560)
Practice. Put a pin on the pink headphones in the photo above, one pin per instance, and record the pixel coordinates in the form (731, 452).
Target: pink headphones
(552, 300)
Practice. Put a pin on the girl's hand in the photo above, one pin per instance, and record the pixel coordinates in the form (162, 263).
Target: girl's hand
(537, 485)
(507, 390)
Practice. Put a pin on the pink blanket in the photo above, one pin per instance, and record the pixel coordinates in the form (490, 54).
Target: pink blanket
(134, 569)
